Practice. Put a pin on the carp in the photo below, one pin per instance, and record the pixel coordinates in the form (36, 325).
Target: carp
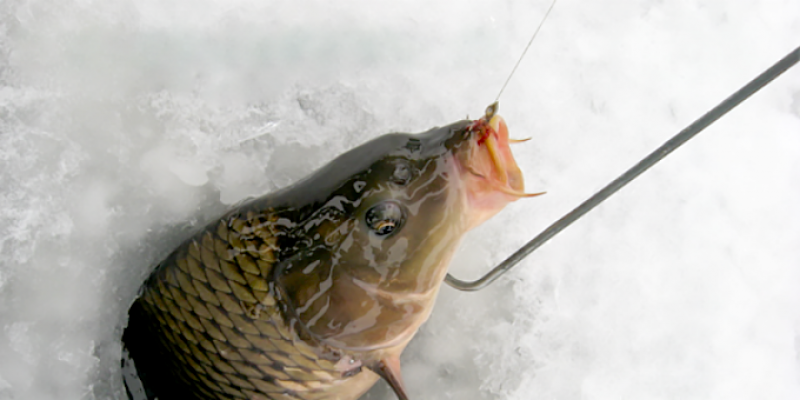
(313, 291)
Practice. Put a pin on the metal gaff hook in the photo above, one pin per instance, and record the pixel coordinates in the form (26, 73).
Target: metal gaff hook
(682, 137)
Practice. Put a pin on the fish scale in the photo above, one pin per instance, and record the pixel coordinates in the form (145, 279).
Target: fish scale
(210, 304)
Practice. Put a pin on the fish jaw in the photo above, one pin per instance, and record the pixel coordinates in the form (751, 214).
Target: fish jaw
(491, 174)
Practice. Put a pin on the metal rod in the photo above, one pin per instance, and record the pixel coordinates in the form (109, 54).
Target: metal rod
(682, 137)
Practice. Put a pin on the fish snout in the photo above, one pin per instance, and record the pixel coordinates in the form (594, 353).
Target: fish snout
(493, 178)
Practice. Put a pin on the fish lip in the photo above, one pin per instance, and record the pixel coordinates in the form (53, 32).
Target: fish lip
(493, 147)
(498, 127)
(497, 166)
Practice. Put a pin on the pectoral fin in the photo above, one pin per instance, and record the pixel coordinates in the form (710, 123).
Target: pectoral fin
(389, 369)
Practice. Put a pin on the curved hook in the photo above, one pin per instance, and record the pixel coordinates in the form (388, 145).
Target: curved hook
(680, 138)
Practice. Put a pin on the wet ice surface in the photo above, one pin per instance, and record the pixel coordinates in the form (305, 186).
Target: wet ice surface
(125, 123)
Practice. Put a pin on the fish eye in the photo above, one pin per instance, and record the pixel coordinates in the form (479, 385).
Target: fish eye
(385, 218)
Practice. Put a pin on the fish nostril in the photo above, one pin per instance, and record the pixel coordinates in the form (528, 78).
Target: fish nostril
(402, 173)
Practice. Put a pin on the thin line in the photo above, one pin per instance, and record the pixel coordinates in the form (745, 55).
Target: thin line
(682, 137)
(526, 49)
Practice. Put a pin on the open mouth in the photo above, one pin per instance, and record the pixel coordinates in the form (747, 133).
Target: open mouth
(491, 159)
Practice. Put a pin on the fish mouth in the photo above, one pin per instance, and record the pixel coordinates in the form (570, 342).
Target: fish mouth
(509, 176)
(493, 178)
(491, 160)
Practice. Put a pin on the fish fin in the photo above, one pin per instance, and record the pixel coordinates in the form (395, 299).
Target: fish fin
(389, 369)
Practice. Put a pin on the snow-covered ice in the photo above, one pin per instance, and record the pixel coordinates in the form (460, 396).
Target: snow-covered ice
(125, 122)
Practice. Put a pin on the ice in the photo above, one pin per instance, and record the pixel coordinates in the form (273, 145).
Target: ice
(125, 123)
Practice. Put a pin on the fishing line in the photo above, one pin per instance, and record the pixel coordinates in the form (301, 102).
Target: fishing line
(682, 137)
(538, 28)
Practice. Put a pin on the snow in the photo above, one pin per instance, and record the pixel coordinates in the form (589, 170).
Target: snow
(124, 123)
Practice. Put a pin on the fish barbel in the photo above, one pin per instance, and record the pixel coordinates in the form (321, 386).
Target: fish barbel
(312, 292)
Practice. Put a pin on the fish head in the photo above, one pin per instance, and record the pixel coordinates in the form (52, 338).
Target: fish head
(379, 227)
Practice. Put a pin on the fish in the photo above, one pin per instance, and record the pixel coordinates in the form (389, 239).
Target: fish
(313, 291)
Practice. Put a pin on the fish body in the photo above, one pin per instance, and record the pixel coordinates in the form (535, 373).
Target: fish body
(313, 292)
